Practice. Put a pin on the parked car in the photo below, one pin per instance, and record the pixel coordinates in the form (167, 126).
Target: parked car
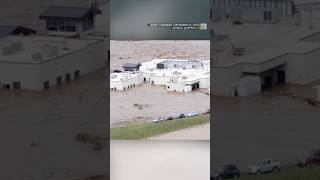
(192, 114)
(226, 172)
(180, 115)
(169, 118)
(117, 71)
(312, 158)
(159, 119)
(236, 22)
(265, 166)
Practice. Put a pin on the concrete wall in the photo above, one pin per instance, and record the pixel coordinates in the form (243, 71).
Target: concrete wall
(204, 83)
(256, 15)
(303, 68)
(247, 86)
(223, 79)
(120, 85)
(295, 70)
(86, 60)
(175, 87)
(33, 76)
(312, 65)
(27, 74)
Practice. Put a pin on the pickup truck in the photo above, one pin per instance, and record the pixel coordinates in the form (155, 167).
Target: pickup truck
(265, 166)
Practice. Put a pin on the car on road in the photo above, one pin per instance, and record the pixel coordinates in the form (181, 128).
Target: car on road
(192, 114)
(265, 166)
(312, 158)
(159, 119)
(226, 172)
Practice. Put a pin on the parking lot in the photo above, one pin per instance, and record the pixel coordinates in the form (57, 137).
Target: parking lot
(145, 102)
(275, 124)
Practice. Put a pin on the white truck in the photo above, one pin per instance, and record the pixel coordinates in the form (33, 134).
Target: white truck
(265, 166)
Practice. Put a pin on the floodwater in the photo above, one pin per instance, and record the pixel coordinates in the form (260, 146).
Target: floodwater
(140, 51)
(145, 102)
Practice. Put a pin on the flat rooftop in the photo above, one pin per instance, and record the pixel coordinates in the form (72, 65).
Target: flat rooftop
(184, 75)
(123, 76)
(267, 41)
(39, 49)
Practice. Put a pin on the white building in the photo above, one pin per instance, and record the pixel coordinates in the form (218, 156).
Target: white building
(255, 11)
(174, 75)
(254, 57)
(40, 62)
(123, 81)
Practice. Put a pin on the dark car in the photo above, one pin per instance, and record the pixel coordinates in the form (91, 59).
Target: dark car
(117, 71)
(169, 118)
(226, 172)
(237, 22)
(311, 159)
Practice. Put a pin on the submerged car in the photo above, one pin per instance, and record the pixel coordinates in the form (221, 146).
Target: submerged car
(180, 115)
(312, 158)
(169, 118)
(192, 114)
(265, 166)
(159, 119)
(226, 172)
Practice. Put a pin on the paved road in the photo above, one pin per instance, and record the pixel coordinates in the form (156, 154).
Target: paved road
(201, 132)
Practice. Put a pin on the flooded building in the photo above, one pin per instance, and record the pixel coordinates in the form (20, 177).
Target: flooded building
(257, 11)
(279, 54)
(172, 74)
(69, 19)
(41, 62)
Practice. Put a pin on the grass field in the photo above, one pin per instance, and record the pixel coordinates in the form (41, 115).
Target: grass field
(294, 173)
(145, 130)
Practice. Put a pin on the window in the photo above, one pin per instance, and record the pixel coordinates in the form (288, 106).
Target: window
(6, 86)
(267, 15)
(88, 22)
(59, 80)
(68, 77)
(16, 85)
(61, 25)
(77, 74)
(46, 85)
(52, 25)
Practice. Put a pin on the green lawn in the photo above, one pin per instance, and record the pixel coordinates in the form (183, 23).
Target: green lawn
(145, 130)
(294, 173)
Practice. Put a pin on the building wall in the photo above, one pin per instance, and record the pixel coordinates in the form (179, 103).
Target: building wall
(86, 60)
(179, 87)
(120, 85)
(251, 10)
(33, 76)
(223, 79)
(295, 70)
(256, 15)
(312, 65)
(27, 74)
(204, 83)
